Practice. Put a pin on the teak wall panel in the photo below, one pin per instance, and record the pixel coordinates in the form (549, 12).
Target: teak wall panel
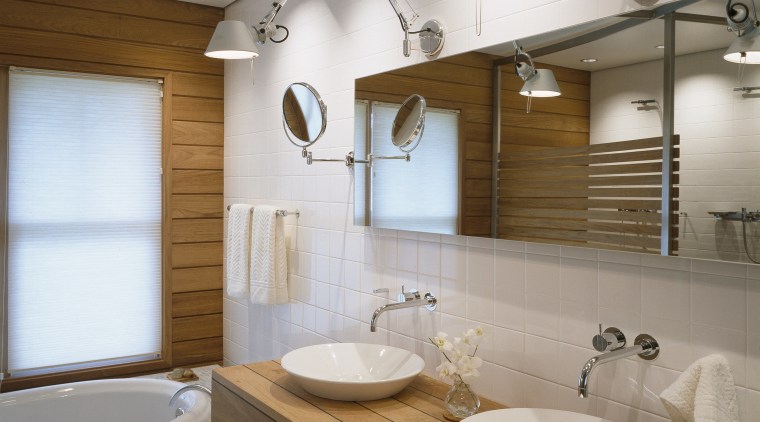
(197, 133)
(162, 10)
(152, 38)
(463, 83)
(44, 17)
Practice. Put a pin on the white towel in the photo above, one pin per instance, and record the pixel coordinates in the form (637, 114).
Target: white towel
(269, 265)
(705, 392)
(238, 249)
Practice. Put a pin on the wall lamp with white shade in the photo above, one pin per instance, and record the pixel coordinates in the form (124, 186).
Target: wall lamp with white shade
(538, 82)
(235, 40)
(745, 49)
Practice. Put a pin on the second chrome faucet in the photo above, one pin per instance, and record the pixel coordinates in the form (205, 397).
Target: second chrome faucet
(405, 300)
(612, 342)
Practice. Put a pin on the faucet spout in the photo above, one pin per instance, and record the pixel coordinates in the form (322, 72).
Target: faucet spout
(646, 347)
(429, 301)
(182, 391)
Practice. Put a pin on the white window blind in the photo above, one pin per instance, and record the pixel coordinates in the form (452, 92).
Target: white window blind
(84, 221)
(423, 194)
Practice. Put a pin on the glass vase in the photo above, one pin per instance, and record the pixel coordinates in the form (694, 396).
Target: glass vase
(461, 401)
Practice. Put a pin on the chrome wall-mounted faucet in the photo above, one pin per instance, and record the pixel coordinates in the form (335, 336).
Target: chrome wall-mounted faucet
(408, 299)
(612, 342)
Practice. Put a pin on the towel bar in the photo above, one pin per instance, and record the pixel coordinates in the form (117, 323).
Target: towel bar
(281, 213)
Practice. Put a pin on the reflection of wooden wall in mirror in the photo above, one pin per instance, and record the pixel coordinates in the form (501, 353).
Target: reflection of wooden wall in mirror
(294, 116)
(463, 83)
(554, 187)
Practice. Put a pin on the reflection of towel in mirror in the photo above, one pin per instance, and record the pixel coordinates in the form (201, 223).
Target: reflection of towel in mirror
(269, 267)
(238, 249)
(705, 392)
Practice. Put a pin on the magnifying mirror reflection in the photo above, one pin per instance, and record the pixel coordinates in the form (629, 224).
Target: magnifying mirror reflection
(409, 123)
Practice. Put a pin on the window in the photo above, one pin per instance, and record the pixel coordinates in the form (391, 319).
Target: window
(84, 221)
(422, 194)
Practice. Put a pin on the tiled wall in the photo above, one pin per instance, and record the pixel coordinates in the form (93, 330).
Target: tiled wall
(720, 150)
(538, 303)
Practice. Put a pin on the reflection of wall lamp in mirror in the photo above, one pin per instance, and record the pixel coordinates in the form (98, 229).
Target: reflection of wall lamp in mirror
(538, 82)
(431, 34)
(234, 40)
(745, 49)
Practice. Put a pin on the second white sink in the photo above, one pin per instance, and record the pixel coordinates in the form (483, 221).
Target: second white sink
(532, 415)
(352, 371)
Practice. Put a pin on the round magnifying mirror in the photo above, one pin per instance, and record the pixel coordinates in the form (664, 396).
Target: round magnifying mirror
(304, 114)
(409, 123)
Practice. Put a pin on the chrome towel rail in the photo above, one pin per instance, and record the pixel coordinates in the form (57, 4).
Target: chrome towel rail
(281, 213)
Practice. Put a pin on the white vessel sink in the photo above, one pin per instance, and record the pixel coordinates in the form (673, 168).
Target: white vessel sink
(532, 415)
(352, 371)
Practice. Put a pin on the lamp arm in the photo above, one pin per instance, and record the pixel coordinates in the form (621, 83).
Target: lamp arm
(276, 6)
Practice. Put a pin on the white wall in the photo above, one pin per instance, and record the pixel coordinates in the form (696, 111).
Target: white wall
(538, 303)
(720, 151)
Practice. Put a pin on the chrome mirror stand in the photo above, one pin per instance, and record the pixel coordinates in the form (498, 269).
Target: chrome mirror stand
(350, 160)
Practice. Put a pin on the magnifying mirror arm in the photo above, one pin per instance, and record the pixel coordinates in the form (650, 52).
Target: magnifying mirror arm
(405, 157)
(348, 160)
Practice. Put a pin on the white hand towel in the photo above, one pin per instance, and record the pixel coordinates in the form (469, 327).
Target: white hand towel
(705, 392)
(269, 265)
(238, 249)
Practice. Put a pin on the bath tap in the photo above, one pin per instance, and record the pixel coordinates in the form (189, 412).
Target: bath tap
(186, 388)
(612, 342)
(405, 300)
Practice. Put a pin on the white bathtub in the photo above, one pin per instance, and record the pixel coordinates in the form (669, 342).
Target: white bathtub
(117, 400)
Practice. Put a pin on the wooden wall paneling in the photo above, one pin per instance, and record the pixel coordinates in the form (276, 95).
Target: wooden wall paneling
(198, 109)
(196, 327)
(185, 157)
(196, 303)
(197, 206)
(197, 351)
(197, 230)
(195, 85)
(162, 39)
(91, 23)
(88, 49)
(163, 10)
(198, 181)
(186, 255)
(196, 279)
(198, 133)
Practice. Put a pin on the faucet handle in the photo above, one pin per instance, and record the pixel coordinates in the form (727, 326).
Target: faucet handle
(405, 296)
(611, 339)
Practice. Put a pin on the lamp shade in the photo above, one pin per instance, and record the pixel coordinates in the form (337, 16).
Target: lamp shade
(232, 40)
(541, 84)
(745, 49)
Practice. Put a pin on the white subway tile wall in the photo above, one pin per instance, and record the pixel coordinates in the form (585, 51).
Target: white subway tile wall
(539, 304)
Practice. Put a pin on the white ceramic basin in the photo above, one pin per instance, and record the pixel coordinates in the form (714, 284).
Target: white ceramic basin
(352, 371)
(532, 415)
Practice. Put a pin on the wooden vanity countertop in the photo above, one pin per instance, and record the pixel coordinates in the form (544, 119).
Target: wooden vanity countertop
(277, 395)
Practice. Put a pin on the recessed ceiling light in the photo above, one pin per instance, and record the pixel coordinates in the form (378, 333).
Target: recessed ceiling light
(589, 60)
(660, 46)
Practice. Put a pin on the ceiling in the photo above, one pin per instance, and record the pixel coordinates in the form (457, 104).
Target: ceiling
(215, 3)
(632, 45)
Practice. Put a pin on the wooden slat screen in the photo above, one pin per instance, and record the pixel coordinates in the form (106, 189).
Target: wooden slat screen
(603, 195)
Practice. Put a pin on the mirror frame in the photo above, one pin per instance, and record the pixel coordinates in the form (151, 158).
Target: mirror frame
(415, 137)
(323, 111)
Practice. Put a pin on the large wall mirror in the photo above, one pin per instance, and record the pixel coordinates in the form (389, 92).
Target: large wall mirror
(584, 168)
